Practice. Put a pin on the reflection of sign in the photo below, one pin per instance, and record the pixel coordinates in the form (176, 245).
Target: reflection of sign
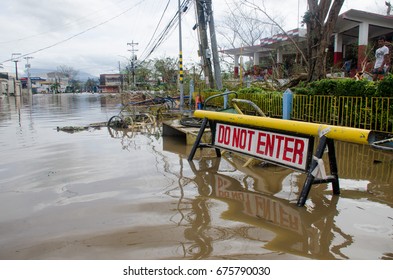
(288, 150)
(257, 205)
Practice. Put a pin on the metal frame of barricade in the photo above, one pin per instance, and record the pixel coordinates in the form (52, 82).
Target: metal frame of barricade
(315, 168)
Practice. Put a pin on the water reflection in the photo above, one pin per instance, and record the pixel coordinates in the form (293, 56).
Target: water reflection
(263, 199)
(104, 193)
(297, 231)
(129, 137)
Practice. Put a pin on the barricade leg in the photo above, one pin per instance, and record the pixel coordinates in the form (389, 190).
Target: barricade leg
(213, 134)
(333, 178)
(333, 166)
(310, 177)
(198, 139)
(198, 143)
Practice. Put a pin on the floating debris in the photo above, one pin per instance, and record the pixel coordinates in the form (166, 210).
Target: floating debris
(72, 129)
(98, 125)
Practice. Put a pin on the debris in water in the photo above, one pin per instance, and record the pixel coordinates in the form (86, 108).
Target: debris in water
(72, 129)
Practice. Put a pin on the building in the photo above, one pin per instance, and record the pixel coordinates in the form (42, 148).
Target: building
(38, 84)
(59, 80)
(361, 29)
(9, 85)
(4, 88)
(354, 36)
(110, 83)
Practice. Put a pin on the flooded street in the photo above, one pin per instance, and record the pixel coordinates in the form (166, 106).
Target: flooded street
(99, 194)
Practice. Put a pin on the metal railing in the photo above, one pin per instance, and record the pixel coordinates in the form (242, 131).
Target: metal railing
(374, 113)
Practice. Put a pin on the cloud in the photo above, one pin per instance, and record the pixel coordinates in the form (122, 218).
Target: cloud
(93, 34)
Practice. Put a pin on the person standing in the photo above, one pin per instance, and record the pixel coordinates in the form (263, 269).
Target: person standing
(381, 58)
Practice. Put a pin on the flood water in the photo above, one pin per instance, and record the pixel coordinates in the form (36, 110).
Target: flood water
(102, 194)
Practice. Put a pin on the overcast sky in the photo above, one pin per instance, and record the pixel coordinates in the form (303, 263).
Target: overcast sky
(92, 35)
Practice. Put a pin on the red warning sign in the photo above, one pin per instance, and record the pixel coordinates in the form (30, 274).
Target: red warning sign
(288, 150)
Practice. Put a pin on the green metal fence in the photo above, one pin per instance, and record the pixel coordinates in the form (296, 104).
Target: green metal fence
(374, 113)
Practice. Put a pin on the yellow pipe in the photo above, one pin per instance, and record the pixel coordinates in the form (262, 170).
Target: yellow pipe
(237, 109)
(341, 133)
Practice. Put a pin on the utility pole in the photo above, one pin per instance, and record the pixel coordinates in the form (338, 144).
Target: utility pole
(14, 58)
(27, 66)
(181, 74)
(121, 79)
(133, 60)
(204, 50)
(213, 39)
(1, 86)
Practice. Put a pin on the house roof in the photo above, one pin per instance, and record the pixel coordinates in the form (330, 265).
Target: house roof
(269, 43)
(363, 16)
(110, 75)
(283, 37)
(347, 24)
(246, 50)
(349, 21)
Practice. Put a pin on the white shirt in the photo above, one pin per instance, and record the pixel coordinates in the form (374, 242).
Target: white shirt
(379, 56)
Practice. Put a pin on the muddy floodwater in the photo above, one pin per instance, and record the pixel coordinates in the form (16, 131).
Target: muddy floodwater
(104, 194)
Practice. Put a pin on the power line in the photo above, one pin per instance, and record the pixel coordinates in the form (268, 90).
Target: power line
(133, 59)
(80, 33)
(159, 22)
(169, 28)
(56, 28)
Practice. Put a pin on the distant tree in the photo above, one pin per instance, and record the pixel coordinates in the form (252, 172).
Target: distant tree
(259, 8)
(166, 69)
(67, 71)
(91, 85)
(320, 20)
(244, 26)
(74, 86)
(144, 71)
(54, 87)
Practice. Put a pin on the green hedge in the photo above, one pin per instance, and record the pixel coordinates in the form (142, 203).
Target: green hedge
(335, 87)
(348, 87)
(354, 112)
